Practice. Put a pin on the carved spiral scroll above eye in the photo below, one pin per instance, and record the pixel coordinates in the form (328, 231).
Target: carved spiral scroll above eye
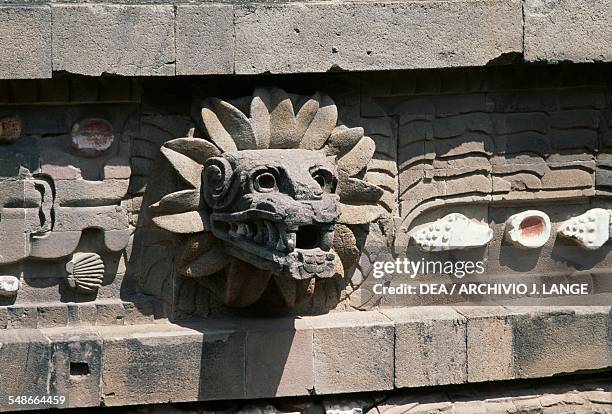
(217, 188)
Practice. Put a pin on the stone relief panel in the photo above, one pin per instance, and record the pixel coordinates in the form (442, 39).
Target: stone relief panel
(64, 181)
(280, 201)
(272, 205)
(494, 144)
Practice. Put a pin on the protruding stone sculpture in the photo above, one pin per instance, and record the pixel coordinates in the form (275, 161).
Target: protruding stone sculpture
(452, 232)
(9, 285)
(85, 272)
(590, 230)
(529, 229)
(261, 197)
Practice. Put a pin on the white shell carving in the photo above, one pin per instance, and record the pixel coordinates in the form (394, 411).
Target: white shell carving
(9, 285)
(590, 230)
(85, 272)
(529, 229)
(452, 232)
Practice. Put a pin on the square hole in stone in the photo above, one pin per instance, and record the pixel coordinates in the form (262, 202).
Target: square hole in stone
(79, 368)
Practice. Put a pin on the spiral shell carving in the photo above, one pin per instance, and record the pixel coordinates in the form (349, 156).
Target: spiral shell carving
(85, 272)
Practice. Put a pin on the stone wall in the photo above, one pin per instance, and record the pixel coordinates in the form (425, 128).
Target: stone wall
(156, 38)
(82, 163)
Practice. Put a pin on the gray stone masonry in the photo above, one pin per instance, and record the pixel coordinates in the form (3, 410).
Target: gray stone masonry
(219, 359)
(167, 38)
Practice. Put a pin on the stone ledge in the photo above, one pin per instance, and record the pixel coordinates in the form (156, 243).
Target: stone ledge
(266, 358)
(173, 38)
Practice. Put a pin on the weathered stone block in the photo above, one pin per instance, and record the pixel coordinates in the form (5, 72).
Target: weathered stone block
(286, 369)
(489, 343)
(204, 39)
(173, 364)
(25, 41)
(24, 358)
(352, 350)
(550, 341)
(577, 31)
(158, 356)
(130, 40)
(430, 346)
(77, 366)
(317, 37)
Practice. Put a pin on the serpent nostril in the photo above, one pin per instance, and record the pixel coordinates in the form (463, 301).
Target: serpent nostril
(265, 207)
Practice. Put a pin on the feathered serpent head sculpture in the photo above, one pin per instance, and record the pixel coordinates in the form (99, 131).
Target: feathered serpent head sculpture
(269, 196)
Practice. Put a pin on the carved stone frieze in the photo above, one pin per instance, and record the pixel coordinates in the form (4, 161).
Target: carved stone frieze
(259, 198)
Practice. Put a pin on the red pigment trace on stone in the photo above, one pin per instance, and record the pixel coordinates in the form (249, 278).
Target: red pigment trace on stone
(10, 128)
(532, 227)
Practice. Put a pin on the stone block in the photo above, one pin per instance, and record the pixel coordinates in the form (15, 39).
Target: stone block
(24, 358)
(90, 193)
(129, 40)
(352, 351)
(168, 363)
(51, 316)
(68, 219)
(77, 366)
(285, 369)
(576, 31)
(25, 41)
(318, 37)
(173, 363)
(489, 343)
(204, 39)
(430, 346)
(22, 317)
(549, 341)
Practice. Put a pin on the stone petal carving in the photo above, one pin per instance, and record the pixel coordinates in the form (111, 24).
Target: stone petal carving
(269, 200)
(203, 255)
(188, 169)
(529, 229)
(356, 190)
(355, 161)
(85, 272)
(358, 214)
(182, 223)
(305, 116)
(9, 286)
(282, 119)
(177, 202)
(215, 129)
(342, 139)
(260, 120)
(452, 232)
(195, 148)
(590, 230)
(322, 124)
(245, 285)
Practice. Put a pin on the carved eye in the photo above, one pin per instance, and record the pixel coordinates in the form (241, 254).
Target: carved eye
(325, 179)
(265, 182)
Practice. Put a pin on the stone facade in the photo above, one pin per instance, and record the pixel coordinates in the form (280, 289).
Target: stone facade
(197, 238)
